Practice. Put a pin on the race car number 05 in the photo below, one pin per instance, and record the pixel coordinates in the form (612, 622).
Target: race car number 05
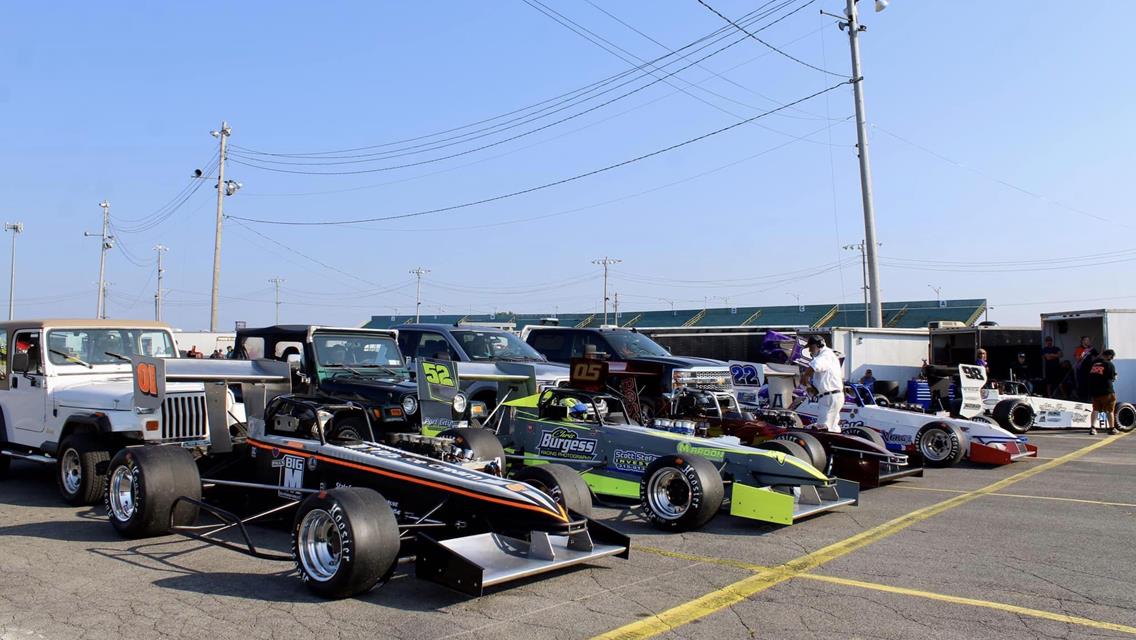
(147, 375)
(587, 371)
(437, 374)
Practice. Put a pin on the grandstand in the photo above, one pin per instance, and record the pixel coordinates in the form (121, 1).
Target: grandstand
(905, 315)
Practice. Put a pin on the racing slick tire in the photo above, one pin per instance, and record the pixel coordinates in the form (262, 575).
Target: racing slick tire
(142, 486)
(882, 401)
(1125, 417)
(680, 492)
(482, 442)
(345, 541)
(787, 446)
(871, 435)
(77, 469)
(562, 484)
(982, 417)
(940, 444)
(1014, 416)
(814, 450)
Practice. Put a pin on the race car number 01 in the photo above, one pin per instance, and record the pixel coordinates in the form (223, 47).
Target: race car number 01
(437, 374)
(587, 371)
(147, 375)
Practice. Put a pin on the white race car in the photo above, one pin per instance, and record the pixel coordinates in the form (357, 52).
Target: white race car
(1019, 412)
(942, 440)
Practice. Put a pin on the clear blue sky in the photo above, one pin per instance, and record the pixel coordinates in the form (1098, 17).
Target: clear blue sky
(115, 101)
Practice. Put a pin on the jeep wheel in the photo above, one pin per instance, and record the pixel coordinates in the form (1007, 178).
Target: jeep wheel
(940, 444)
(1014, 416)
(482, 442)
(5, 464)
(345, 541)
(142, 485)
(1125, 417)
(681, 493)
(77, 469)
(562, 484)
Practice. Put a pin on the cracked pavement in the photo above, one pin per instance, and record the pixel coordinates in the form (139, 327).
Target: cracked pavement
(64, 573)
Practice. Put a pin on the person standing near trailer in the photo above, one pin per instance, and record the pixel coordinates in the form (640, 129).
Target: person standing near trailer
(1102, 373)
(1051, 367)
(824, 374)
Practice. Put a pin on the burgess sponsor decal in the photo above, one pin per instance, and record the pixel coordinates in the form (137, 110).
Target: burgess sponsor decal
(633, 461)
(563, 442)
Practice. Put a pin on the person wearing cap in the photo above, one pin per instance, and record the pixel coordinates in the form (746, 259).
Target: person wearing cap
(824, 374)
(1019, 371)
(1102, 373)
(1051, 357)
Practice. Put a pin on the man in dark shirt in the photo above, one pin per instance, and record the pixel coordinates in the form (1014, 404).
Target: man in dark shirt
(1051, 363)
(1101, 375)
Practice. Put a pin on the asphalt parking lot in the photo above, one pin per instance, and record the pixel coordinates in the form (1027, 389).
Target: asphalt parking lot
(1037, 549)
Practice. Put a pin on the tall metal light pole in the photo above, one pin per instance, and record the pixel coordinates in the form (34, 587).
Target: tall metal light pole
(851, 23)
(864, 266)
(158, 294)
(606, 262)
(224, 188)
(277, 282)
(419, 272)
(16, 228)
(107, 242)
(938, 295)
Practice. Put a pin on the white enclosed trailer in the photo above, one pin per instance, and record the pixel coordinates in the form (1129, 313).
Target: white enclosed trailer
(891, 354)
(1109, 329)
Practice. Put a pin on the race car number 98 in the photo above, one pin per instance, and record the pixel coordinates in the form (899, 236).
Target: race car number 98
(973, 373)
(437, 374)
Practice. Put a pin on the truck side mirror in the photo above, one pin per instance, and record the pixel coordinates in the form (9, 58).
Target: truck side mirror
(20, 362)
(294, 360)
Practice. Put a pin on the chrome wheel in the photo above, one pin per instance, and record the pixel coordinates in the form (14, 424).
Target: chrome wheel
(120, 494)
(71, 471)
(318, 545)
(935, 445)
(668, 493)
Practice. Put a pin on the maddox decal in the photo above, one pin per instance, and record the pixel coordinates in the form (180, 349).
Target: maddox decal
(563, 442)
(710, 453)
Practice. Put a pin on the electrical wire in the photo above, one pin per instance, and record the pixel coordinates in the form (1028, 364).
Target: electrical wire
(548, 184)
(163, 213)
(743, 30)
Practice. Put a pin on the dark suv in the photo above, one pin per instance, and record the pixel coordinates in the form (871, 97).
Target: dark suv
(363, 366)
(476, 350)
(562, 344)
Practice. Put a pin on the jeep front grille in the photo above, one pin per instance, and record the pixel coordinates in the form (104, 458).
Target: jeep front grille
(184, 417)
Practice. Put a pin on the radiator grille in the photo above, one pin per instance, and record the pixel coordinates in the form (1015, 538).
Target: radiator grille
(184, 417)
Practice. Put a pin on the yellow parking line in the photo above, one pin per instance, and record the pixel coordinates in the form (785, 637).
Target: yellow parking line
(1009, 608)
(725, 562)
(748, 587)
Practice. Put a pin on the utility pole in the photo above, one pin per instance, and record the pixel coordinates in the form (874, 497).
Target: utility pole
(419, 272)
(938, 295)
(107, 242)
(16, 228)
(277, 282)
(158, 294)
(851, 23)
(864, 267)
(224, 188)
(606, 262)
(616, 308)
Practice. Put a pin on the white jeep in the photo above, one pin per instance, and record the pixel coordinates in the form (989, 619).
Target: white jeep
(68, 393)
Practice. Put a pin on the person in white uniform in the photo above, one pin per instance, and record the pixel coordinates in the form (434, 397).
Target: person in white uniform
(824, 373)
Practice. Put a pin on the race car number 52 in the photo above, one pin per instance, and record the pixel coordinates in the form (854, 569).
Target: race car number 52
(437, 374)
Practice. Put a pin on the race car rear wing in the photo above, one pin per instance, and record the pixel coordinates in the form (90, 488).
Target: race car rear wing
(259, 381)
(439, 381)
(971, 379)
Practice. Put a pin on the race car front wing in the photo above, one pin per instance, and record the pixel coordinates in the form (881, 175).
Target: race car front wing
(1000, 452)
(786, 507)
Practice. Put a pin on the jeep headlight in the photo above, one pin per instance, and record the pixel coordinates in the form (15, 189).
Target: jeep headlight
(409, 405)
(459, 403)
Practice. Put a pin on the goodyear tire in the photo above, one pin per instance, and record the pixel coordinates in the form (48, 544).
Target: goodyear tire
(561, 483)
(345, 541)
(940, 444)
(142, 485)
(1125, 417)
(871, 435)
(1014, 416)
(985, 419)
(788, 447)
(814, 450)
(681, 493)
(77, 470)
(482, 442)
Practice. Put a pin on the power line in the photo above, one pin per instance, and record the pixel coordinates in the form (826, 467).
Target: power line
(743, 30)
(548, 184)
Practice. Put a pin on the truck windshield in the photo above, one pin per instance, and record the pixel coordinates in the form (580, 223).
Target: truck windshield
(67, 346)
(496, 345)
(368, 355)
(629, 344)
